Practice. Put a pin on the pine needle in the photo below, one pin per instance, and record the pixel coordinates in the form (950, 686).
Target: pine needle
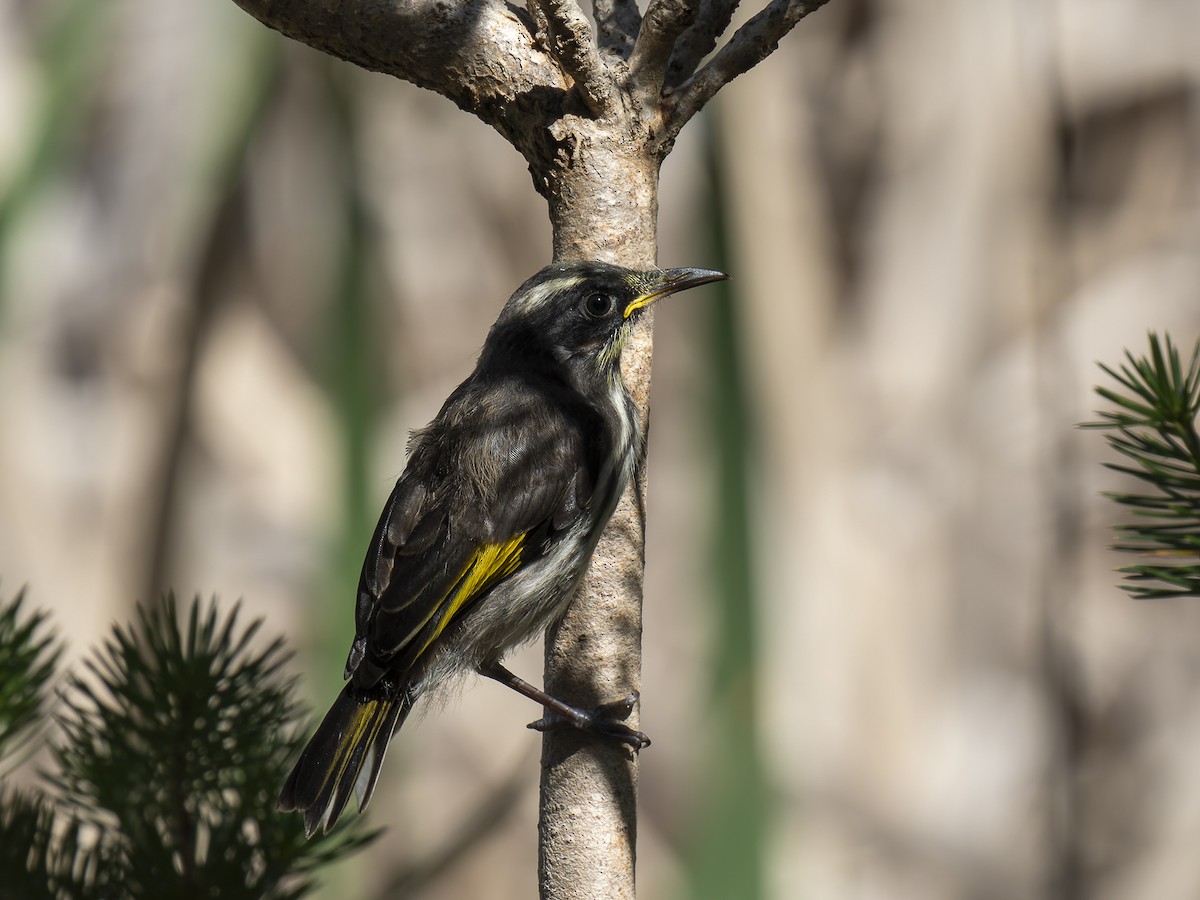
(1153, 425)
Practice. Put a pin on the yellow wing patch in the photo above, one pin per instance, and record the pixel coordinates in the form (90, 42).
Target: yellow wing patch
(489, 564)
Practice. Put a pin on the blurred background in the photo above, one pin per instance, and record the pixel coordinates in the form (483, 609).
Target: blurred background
(885, 656)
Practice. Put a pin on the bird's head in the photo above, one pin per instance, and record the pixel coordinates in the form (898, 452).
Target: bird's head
(579, 314)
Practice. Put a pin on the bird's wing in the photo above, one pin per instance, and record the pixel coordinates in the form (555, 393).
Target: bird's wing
(474, 506)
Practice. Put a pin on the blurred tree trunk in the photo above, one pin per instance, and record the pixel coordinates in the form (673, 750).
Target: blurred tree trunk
(594, 116)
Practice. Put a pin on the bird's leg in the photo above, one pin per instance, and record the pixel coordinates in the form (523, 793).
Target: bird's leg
(604, 720)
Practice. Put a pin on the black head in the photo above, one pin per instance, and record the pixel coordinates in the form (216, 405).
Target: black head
(578, 315)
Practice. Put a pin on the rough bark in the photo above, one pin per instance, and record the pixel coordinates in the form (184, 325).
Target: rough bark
(594, 117)
(587, 822)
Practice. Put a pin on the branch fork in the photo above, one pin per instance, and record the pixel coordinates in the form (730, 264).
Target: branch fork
(570, 43)
(491, 62)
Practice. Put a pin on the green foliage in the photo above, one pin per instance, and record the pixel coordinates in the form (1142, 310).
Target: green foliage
(175, 738)
(1154, 426)
(45, 853)
(28, 655)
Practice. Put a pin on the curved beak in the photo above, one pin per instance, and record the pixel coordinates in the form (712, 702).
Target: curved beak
(662, 282)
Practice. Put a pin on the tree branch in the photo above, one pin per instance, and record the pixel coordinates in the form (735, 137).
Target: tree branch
(750, 45)
(699, 39)
(665, 20)
(617, 22)
(481, 54)
(571, 44)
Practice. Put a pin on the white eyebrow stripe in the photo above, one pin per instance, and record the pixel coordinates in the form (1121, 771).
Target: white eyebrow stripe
(544, 292)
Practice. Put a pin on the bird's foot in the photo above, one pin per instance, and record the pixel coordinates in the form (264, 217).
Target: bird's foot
(606, 721)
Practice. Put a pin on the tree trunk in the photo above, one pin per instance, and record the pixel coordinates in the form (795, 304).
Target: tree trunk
(603, 205)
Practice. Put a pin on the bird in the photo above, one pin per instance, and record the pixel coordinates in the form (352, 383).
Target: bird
(492, 522)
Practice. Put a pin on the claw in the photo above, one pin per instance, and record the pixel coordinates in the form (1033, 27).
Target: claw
(604, 721)
(618, 709)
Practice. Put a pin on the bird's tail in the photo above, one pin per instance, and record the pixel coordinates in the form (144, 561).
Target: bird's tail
(344, 755)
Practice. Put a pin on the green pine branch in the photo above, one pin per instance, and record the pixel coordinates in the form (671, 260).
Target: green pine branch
(46, 854)
(175, 737)
(28, 656)
(1154, 426)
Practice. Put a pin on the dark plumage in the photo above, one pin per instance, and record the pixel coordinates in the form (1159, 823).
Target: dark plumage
(487, 532)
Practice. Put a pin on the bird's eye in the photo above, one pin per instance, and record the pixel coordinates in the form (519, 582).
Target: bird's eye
(597, 306)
